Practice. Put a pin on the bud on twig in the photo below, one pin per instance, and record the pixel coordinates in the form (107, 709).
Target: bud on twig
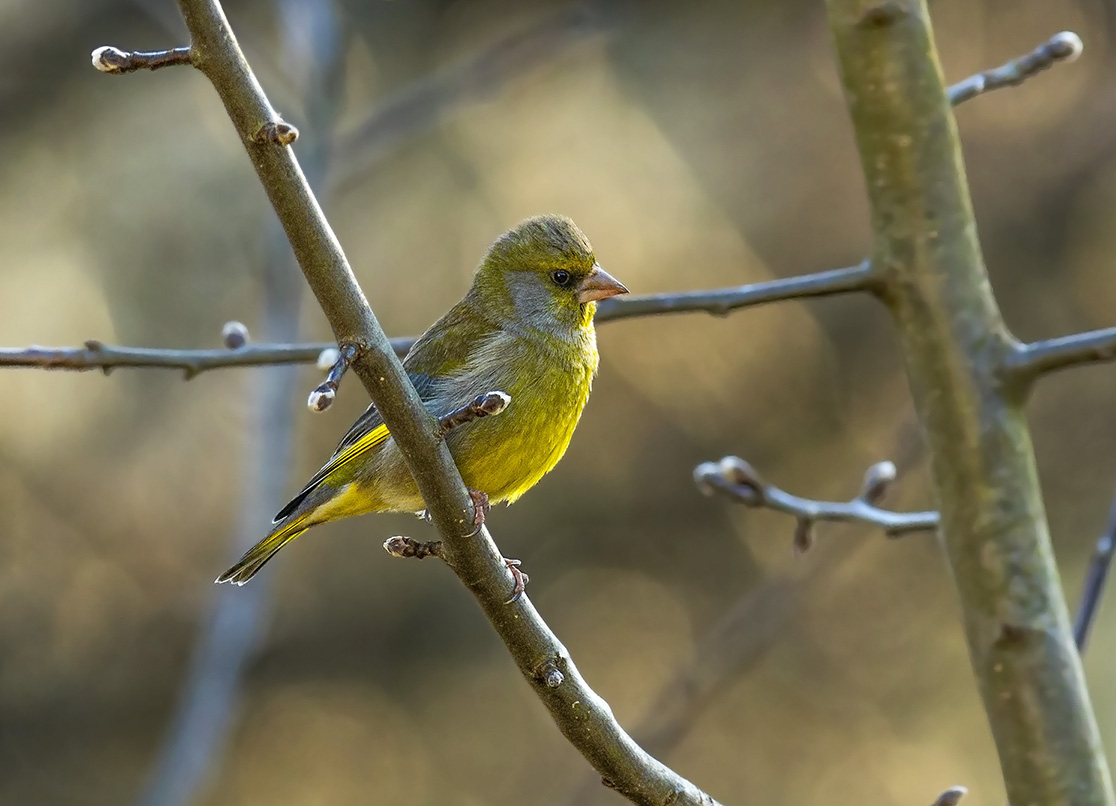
(803, 536)
(321, 398)
(1067, 46)
(234, 334)
(328, 357)
(877, 479)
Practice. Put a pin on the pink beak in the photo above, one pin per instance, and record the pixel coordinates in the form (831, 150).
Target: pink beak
(599, 284)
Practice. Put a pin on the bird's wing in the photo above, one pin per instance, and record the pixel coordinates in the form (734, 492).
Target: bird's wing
(440, 352)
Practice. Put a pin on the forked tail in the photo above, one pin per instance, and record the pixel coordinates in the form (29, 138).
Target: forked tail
(254, 559)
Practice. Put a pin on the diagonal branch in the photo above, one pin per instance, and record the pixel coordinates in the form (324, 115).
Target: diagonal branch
(583, 717)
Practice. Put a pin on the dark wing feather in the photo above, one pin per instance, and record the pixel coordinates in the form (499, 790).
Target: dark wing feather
(439, 352)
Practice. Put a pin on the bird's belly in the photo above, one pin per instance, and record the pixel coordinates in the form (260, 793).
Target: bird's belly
(506, 455)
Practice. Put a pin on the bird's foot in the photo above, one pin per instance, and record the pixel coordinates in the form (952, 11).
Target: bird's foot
(480, 507)
(520, 577)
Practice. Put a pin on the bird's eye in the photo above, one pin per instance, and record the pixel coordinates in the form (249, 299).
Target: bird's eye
(561, 277)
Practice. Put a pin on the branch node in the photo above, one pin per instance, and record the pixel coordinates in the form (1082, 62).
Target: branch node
(407, 547)
(277, 132)
(884, 15)
(234, 335)
(549, 673)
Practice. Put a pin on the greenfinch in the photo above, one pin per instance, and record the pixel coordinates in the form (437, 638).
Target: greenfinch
(524, 328)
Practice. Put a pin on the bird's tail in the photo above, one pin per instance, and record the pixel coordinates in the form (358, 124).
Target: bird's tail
(254, 559)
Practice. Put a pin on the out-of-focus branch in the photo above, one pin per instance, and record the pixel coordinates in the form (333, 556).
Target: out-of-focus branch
(1029, 361)
(423, 103)
(1095, 577)
(583, 717)
(313, 47)
(1063, 47)
(955, 346)
(737, 479)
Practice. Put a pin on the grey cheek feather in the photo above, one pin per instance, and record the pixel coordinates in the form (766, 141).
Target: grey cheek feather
(533, 305)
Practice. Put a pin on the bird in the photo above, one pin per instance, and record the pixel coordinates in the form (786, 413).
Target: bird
(525, 329)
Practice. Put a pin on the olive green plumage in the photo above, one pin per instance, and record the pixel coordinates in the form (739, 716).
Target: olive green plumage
(525, 328)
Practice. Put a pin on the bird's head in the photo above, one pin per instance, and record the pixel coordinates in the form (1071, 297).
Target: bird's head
(544, 276)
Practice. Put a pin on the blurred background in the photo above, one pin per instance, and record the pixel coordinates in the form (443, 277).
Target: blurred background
(698, 145)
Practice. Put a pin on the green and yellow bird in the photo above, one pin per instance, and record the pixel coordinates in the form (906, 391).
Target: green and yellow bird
(524, 328)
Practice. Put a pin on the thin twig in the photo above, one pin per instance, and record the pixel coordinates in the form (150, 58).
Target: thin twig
(1029, 361)
(722, 301)
(108, 59)
(106, 357)
(737, 479)
(486, 405)
(1063, 47)
(1095, 577)
(321, 398)
(96, 355)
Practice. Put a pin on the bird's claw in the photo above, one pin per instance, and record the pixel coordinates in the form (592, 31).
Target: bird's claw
(480, 507)
(520, 577)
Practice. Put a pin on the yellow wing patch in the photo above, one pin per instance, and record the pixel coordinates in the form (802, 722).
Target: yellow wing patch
(375, 437)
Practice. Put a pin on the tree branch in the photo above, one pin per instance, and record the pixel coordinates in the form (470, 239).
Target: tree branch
(105, 357)
(96, 355)
(583, 717)
(738, 480)
(955, 347)
(1063, 47)
(1028, 361)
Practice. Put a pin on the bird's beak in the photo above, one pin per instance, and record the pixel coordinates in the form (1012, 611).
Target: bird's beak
(599, 284)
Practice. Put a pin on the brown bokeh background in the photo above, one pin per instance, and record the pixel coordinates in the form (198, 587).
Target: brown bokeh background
(698, 144)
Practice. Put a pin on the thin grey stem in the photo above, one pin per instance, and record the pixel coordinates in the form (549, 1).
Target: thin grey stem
(1029, 361)
(737, 479)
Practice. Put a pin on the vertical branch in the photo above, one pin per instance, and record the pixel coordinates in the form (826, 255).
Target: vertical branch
(199, 729)
(956, 350)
